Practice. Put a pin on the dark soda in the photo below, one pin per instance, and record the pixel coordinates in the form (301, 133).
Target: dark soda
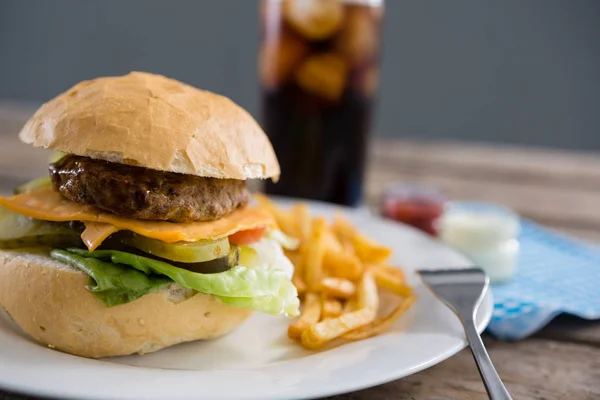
(319, 73)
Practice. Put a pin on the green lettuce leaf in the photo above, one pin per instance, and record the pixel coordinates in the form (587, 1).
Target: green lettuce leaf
(113, 284)
(266, 290)
(275, 305)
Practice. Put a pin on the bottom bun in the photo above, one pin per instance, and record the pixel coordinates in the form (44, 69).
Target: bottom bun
(49, 301)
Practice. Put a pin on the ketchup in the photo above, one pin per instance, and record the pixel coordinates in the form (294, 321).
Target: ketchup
(415, 205)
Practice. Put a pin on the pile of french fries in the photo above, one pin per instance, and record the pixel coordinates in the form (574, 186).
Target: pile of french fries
(338, 274)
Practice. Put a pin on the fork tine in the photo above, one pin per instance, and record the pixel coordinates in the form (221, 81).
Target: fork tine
(462, 290)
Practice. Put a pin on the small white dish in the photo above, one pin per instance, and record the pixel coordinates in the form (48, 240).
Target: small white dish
(486, 233)
(257, 361)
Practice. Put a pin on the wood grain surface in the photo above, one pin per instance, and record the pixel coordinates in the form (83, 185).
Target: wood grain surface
(557, 188)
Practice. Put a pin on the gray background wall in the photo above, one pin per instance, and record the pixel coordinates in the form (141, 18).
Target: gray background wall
(521, 71)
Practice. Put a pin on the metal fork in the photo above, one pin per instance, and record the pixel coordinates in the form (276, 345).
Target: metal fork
(462, 290)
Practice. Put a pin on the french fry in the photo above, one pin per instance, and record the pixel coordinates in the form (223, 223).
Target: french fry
(366, 295)
(347, 245)
(313, 261)
(331, 308)
(397, 272)
(331, 242)
(337, 287)
(311, 313)
(339, 263)
(299, 283)
(349, 306)
(337, 271)
(283, 218)
(300, 260)
(343, 265)
(387, 279)
(296, 257)
(316, 335)
(299, 266)
(367, 250)
(381, 324)
(293, 256)
(301, 218)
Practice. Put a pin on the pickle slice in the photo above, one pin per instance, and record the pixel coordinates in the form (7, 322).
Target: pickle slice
(217, 265)
(186, 252)
(14, 226)
(17, 231)
(47, 240)
(33, 185)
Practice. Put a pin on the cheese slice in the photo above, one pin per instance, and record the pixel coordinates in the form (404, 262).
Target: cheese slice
(48, 205)
(95, 233)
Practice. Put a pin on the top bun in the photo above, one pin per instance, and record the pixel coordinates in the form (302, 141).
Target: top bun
(155, 122)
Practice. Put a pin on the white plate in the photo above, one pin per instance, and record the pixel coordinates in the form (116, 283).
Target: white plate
(257, 361)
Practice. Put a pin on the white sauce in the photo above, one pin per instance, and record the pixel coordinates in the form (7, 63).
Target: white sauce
(486, 235)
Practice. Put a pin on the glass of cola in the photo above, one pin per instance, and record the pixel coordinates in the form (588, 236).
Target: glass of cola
(319, 76)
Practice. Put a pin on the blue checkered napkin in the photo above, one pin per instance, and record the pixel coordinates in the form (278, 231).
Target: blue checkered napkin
(555, 275)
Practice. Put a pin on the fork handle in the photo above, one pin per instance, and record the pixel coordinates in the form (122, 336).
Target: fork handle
(493, 384)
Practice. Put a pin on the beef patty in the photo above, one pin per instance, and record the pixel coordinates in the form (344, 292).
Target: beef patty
(142, 193)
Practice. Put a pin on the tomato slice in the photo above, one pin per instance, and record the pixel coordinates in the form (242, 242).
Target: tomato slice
(247, 237)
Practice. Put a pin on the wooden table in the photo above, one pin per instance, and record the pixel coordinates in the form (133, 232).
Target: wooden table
(559, 189)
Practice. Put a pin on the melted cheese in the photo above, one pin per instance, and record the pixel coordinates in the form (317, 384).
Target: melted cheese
(48, 205)
(96, 232)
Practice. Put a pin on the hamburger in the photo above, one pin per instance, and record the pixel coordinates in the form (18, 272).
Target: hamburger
(142, 236)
